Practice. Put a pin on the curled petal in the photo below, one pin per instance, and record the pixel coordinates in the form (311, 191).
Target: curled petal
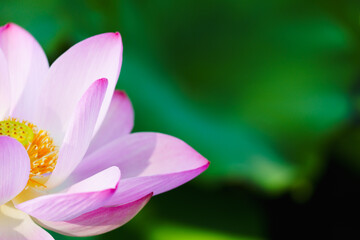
(149, 162)
(83, 197)
(99, 221)
(133, 188)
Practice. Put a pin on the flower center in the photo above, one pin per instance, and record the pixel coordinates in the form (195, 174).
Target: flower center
(39, 145)
(19, 131)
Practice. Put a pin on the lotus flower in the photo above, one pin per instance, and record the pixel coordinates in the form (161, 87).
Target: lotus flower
(68, 161)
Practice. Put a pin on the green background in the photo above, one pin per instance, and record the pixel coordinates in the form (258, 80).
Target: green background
(268, 91)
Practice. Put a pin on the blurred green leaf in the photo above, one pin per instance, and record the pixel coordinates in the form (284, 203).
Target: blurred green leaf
(234, 150)
(176, 232)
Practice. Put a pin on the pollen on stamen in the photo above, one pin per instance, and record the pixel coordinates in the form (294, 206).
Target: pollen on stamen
(40, 147)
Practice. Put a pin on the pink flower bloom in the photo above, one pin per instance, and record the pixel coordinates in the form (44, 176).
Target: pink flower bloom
(67, 159)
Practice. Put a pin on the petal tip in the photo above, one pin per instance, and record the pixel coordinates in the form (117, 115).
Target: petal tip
(10, 25)
(117, 37)
(207, 163)
(111, 35)
(120, 93)
(206, 166)
(203, 167)
(145, 199)
(103, 82)
(7, 26)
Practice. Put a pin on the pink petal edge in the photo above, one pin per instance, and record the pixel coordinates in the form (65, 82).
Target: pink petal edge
(99, 221)
(133, 188)
(83, 197)
(149, 162)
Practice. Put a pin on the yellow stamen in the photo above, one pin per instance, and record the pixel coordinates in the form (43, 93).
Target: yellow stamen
(42, 152)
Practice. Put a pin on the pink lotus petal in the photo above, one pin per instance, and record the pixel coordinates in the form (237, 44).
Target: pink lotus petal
(5, 86)
(17, 225)
(28, 66)
(72, 74)
(149, 162)
(83, 197)
(14, 168)
(79, 133)
(133, 188)
(119, 120)
(99, 221)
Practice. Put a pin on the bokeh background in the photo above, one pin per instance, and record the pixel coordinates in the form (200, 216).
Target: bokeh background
(268, 91)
